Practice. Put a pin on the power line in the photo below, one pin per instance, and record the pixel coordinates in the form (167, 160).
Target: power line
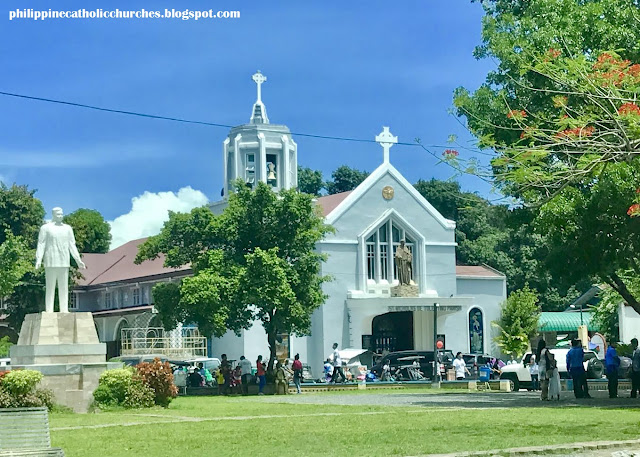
(190, 121)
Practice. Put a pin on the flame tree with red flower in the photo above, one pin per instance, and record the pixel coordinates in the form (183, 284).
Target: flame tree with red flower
(560, 116)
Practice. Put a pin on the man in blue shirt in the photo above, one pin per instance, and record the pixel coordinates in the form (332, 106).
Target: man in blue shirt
(575, 358)
(612, 363)
(635, 368)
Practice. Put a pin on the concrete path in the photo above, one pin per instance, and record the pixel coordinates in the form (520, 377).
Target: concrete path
(461, 400)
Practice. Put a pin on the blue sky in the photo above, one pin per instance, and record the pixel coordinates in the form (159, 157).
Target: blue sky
(333, 68)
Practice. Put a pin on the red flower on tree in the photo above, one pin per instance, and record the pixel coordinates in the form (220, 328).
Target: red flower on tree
(554, 52)
(629, 108)
(516, 114)
(577, 132)
(634, 210)
(450, 153)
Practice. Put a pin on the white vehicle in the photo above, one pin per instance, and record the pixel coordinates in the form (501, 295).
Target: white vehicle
(210, 363)
(5, 364)
(519, 374)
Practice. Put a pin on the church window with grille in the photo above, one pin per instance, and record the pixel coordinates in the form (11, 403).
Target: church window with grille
(381, 247)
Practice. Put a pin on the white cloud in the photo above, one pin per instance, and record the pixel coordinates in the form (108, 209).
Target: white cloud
(149, 211)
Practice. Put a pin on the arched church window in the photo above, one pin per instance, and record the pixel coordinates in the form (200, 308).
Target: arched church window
(476, 334)
(380, 250)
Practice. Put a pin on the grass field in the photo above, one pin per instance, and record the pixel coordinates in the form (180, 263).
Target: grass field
(253, 426)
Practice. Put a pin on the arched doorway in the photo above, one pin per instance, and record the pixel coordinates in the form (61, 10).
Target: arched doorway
(393, 332)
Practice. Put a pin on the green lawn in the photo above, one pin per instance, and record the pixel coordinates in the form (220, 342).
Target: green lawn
(252, 426)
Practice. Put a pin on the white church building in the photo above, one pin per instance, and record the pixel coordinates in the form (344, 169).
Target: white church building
(369, 222)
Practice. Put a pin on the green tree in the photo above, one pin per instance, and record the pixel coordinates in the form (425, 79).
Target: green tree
(518, 323)
(92, 232)
(5, 344)
(560, 114)
(501, 238)
(21, 215)
(310, 181)
(345, 178)
(16, 259)
(255, 261)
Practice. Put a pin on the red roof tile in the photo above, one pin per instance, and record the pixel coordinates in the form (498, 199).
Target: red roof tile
(117, 265)
(330, 202)
(477, 270)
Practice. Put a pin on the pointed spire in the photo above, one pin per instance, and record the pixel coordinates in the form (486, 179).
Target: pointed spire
(259, 113)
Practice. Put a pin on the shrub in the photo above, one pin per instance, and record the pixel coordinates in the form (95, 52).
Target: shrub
(158, 376)
(21, 382)
(138, 395)
(123, 387)
(18, 390)
(112, 386)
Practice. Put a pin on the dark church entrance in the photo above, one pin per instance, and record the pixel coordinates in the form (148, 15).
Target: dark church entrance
(392, 332)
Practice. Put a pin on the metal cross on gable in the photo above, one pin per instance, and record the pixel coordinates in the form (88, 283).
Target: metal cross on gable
(259, 78)
(386, 140)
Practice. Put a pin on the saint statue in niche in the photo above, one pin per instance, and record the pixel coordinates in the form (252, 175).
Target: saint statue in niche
(403, 260)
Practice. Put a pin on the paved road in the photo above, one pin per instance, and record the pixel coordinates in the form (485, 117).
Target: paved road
(454, 400)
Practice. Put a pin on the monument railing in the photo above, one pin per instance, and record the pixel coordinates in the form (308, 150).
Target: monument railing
(186, 343)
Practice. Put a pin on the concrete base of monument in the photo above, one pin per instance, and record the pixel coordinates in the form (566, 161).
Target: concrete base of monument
(65, 348)
(405, 290)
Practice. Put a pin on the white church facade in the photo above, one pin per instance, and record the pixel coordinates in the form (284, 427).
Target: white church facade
(361, 310)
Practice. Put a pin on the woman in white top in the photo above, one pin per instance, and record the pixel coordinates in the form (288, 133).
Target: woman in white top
(541, 357)
(553, 378)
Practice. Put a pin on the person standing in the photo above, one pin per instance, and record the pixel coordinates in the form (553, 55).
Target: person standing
(542, 357)
(575, 367)
(553, 377)
(635, 368)
(612, 363)
(534, 371)
(297, 372)
(461, 367)
(337, 365)
(261, 373)
(245, 370)
(281, 380)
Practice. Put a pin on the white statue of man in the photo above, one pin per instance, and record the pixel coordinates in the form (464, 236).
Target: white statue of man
(55, 243)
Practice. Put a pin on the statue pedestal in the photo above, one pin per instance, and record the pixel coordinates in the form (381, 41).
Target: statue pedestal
(405, 290)
(65, 348)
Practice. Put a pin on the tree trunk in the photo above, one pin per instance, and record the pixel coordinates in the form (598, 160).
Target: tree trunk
(271, 338)
(619, 286)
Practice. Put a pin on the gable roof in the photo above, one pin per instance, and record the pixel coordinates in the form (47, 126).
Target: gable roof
(378, 173)
(329, 202)
(479, 271)
(118, 265)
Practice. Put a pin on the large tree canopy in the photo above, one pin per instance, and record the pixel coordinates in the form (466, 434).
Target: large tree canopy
(92, 232)
(560, 115)
(256, 261)
(559, 105)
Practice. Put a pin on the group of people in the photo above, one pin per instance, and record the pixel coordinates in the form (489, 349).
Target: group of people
(237, 379)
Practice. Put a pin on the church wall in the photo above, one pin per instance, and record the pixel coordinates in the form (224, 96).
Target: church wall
(441, 269)
(333, 325)
(488, 295)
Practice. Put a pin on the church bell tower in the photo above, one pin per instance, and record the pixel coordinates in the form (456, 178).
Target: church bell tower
(260, 151)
